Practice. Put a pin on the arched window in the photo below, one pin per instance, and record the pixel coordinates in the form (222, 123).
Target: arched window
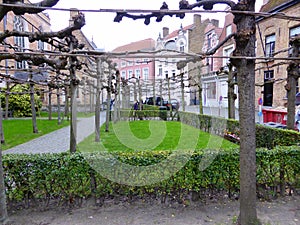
(171, 45)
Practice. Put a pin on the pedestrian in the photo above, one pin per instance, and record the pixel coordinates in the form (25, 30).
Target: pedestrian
(136, 105)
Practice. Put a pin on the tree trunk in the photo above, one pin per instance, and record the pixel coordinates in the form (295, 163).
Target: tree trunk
(2, 140)
(154, 91)
(293, 75)
(108, 103)
(200, 99)
(3, 206)
(231, 95)
(245, 46)
(66, 112)
(58, 107)
(97, 109)
(7, 98)
(50, 104)
(182, 92)
(73, 93)
(33, 111)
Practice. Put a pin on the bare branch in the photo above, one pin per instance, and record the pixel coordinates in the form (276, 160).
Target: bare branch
(79, 22)
(164, 10)
(22, 10)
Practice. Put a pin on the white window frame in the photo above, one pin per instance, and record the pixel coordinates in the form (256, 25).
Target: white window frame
(146, 73)
(227, 52)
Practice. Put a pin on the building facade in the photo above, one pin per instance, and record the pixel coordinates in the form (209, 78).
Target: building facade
(172, 82)
(29, 23)
(273, 35)
(138, 72)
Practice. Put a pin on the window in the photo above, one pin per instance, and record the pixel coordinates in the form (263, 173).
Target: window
(130, 73)
(130, 63)
(227, 52)
(268, 75)
(146, 73)
(209, 63)
(209, 40)
(173, 73)
(293, 32)
(146, 60)
(181, 47)
(160, 70)
(19, 41)
(137, 73)
(211, 90)
(270, 45)
(171, 45)
(228, 30)
(123, 74)
(123, 64)
(41, 44)
(166, 74)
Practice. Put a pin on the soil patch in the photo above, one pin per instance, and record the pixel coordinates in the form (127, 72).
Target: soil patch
(283, 211)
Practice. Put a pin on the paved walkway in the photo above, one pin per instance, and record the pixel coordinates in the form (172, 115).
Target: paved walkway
(57, 141)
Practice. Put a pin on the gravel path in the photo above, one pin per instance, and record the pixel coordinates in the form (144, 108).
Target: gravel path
(57, 141)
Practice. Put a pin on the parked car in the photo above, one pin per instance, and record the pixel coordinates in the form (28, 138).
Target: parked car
(174, 104)
(149, 101)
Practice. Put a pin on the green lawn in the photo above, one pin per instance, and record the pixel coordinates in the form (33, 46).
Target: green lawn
(153, 135)
(44, 114)
(18, 131)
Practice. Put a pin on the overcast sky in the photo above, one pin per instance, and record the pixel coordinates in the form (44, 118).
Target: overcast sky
(108, 34)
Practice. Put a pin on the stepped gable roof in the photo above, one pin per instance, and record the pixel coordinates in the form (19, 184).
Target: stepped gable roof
(175, 32)
(273, 4)
(146, 44)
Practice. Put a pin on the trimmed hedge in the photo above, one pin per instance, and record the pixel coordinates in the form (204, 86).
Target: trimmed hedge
(67, 177)
(266, 137)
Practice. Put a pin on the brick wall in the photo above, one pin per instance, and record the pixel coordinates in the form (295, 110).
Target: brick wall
(281, 29)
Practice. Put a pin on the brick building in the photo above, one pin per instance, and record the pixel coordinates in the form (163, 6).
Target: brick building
(30, 23)
(196, 42)
(19, 70)
(273, 36)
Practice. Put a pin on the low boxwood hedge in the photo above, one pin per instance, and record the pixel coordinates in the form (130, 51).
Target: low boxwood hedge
(69, 176)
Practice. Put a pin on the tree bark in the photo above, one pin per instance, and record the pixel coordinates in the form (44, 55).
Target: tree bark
(58, 106)
(73, 93)
(231, 94)
(32, 103)
(108, 102)
(50, 104)
(98, 93)
(3, 207)
(293, 76)
(245, 46)
(7, 98)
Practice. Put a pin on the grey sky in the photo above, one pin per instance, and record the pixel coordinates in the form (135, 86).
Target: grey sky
(108, 34)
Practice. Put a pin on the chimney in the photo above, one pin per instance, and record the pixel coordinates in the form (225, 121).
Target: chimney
(73, 12)
(215, 22)
(197, 19)
(165, 31)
